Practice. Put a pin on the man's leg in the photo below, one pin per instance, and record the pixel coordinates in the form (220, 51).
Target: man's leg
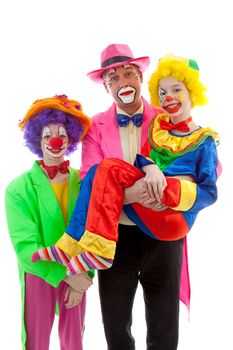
(71, 321)
(160, 279)
(117, 287)
(40, 303)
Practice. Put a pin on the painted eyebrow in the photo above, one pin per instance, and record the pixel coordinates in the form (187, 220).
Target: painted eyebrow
(160, 88)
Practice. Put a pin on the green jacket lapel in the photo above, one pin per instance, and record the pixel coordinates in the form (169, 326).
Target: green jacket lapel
(47, 198)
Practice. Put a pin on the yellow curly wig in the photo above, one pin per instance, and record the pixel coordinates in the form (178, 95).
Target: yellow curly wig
(182, 69)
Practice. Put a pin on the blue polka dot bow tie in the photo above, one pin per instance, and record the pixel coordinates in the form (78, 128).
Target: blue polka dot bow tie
(123, 120)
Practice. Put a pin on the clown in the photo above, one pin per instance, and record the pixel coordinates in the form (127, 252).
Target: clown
(39, 204)
(184, 151)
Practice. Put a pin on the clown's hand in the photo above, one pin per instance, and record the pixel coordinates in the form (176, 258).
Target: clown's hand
(155, 182)
(148, 202)
(80, 282)
(72, 297)
(133, 193)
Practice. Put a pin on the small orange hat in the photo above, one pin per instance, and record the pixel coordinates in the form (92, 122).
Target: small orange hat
(62, 103)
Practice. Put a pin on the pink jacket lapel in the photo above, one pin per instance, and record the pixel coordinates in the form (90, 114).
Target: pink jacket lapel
(111, 144)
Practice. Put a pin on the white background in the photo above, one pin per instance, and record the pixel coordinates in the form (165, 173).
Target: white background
(47, 47)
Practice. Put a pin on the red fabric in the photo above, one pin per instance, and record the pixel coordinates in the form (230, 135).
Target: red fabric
(146, 148)
(112, 177)
(53, 170)
(172, 193)
(166, 225)
(182, 126)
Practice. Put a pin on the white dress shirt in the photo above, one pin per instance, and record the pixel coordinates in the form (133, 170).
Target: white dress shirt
(130, 137)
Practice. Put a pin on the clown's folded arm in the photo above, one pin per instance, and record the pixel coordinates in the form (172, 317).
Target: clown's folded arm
(201, 193)
(24, 223)
(199, 190)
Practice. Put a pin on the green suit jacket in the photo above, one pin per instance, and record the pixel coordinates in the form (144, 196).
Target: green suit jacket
(35, 220)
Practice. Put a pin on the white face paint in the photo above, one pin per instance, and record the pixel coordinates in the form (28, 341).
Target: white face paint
(54, 142)
(46, 132)
(62, 132)
(162, 94)
(127, 94)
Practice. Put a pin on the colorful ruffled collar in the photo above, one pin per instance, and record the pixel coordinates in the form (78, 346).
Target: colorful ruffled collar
(163, 141)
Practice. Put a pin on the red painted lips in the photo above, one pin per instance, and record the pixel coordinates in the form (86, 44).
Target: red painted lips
(172, 108)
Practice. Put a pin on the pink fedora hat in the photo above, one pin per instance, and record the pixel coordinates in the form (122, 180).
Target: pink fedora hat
(116, 55)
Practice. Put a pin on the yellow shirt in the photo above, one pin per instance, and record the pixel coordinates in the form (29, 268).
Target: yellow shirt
(61, 192)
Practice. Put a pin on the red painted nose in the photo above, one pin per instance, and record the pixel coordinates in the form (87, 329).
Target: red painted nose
(55, 142)
(168, 99)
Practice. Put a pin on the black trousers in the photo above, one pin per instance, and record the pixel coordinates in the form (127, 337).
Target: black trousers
(157, 266)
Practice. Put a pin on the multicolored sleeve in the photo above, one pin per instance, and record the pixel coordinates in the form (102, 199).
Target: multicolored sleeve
(190, 196)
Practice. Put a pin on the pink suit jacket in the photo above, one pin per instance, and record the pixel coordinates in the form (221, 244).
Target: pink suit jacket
(103, 141)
